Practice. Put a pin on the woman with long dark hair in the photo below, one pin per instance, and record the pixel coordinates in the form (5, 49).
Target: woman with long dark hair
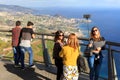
(59, 42)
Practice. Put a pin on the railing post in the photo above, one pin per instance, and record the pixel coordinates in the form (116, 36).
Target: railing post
(110, 65)
(114, 68)
(46, 55)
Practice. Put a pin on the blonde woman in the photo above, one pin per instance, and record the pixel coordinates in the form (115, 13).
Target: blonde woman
(69, 54)
(97, 44)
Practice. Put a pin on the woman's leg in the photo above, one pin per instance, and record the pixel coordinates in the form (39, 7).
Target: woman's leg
(59, 66)
(91, 66)
(97, 68)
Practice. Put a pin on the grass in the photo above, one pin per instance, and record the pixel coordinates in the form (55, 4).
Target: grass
(36, 47)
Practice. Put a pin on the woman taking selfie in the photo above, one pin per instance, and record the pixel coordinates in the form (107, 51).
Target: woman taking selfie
(97, 43)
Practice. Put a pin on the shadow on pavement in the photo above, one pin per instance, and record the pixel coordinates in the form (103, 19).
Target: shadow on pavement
(51, 69)
(27, 74)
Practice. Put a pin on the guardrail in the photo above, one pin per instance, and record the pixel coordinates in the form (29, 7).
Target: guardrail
(112, 74)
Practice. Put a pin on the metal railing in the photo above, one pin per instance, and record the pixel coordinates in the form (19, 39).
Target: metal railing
(112, 74)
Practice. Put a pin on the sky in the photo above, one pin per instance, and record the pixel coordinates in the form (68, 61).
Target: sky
(64, 3)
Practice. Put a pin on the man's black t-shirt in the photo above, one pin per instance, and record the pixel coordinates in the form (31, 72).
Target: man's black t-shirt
(26, 33)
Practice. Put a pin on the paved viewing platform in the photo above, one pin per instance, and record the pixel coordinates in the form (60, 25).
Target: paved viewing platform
(40, 72)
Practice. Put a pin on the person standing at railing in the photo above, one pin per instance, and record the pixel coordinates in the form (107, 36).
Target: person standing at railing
(26, 36)
(59, 43)
(15, 43)
(69, 54)
(97, 43)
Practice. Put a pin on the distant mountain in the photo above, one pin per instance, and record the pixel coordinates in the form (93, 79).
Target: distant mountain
(14, 9)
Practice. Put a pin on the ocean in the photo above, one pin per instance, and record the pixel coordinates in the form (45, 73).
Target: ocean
(106, 19)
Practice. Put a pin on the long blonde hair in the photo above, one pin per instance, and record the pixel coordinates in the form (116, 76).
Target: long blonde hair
(73, 41)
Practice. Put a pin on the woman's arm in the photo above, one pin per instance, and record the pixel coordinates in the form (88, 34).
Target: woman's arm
(97, 50)
(61, 53)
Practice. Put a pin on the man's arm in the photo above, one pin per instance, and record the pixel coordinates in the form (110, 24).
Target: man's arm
(33, 35)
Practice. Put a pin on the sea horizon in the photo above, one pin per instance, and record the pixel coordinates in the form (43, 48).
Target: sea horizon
(107, 20)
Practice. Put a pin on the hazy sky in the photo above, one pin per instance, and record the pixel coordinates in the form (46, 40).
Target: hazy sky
(64, 3)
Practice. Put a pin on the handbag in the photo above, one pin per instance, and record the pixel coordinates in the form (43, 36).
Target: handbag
(81, 64)
(88, 52)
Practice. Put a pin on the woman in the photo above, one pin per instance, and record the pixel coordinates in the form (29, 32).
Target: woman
(69, 54)
(59, 39)
(97, 43)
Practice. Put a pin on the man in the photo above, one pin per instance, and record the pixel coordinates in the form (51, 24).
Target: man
(26, 35)
(15, 43)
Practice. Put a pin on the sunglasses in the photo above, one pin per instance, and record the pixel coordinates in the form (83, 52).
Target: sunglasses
(61, 35)
(94, 30)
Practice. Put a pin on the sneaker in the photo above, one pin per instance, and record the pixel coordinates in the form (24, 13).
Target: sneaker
(32, 66)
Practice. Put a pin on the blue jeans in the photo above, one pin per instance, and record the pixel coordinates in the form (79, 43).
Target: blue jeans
(94, 66)
(23, 51)
(16, 54)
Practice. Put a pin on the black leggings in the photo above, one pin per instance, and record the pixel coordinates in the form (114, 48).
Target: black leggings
(59, 65)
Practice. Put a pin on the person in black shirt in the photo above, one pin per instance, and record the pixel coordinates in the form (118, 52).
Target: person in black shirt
(26, 35)
(59, 39)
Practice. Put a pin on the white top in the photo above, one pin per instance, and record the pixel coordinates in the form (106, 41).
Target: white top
(25, 43)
